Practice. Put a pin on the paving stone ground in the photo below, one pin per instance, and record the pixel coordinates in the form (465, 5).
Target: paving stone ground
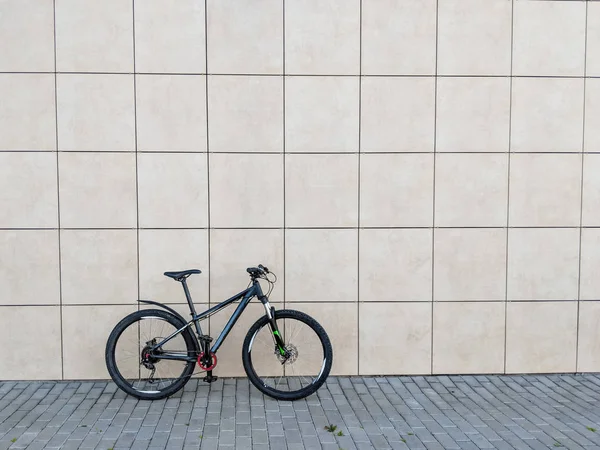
(437, 412)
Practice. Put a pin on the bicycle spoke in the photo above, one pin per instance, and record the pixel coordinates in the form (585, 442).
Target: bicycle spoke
(298, 332)
(128, 353)
(263, 342)
(300, 376)
(304, 360)
(294, 331)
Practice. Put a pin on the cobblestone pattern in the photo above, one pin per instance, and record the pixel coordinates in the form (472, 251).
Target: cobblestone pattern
(438, 412)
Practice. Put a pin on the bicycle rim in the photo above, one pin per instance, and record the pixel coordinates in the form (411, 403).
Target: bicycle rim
(128, 350)
(301, 370)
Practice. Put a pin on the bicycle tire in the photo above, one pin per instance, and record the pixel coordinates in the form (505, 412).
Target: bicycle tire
(285, 395)
(111, 345)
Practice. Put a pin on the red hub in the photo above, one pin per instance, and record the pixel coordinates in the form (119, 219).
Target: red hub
(212, 364)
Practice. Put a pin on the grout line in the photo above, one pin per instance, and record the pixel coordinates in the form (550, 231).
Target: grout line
(135, 141)
(137, 187)
(62, 351)
(512, 19)
(182, 152)
(284, 171)
(284, 166)
(581, 186)
(435, 94)
(349, 302)
(360, 22)
(327, 75)
(566, 227)
(207, 157)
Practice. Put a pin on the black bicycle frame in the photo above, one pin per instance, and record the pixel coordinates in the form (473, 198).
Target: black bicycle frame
(246, 295)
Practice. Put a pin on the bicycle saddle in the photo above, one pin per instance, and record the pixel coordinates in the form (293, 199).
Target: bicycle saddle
(182, 274)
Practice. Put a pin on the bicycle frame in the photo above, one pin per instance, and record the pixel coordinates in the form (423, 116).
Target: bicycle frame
(246, 296)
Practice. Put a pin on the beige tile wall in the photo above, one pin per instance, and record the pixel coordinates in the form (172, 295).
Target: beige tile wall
(421, 174)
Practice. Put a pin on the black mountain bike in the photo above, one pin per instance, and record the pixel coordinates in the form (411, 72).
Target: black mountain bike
(152, 353)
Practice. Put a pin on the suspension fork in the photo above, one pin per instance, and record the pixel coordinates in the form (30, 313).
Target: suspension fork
(270, 311)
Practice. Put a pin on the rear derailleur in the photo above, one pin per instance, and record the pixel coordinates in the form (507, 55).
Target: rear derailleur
(149, 360)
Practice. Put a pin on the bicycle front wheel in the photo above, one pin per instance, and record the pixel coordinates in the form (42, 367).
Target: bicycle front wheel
(308, 365)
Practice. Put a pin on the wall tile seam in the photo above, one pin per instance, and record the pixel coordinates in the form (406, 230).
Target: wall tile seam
(288, 75)
(435, 157)
(507, 242)
(367, 153)
(581, 191)
(466, 227)
(310, 302)
(60, 284)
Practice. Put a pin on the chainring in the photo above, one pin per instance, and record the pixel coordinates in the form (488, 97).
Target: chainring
(212, 365)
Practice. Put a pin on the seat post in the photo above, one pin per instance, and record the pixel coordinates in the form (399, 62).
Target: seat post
(188, 296)
(192, 309)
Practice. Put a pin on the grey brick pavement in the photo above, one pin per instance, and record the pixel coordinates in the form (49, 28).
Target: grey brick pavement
(437, 412)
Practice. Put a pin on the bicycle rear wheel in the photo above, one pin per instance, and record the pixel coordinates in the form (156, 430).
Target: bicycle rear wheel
(303, 372)
(149, 378)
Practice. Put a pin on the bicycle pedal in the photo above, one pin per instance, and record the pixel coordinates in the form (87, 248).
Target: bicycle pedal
(209, 378)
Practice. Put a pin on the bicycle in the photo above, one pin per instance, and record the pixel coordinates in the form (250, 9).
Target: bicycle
(156, 364)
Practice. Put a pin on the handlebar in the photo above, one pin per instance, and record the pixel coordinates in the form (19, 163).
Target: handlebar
(258, 271)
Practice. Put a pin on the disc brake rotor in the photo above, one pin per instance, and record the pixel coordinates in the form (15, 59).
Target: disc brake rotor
(291, 354)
